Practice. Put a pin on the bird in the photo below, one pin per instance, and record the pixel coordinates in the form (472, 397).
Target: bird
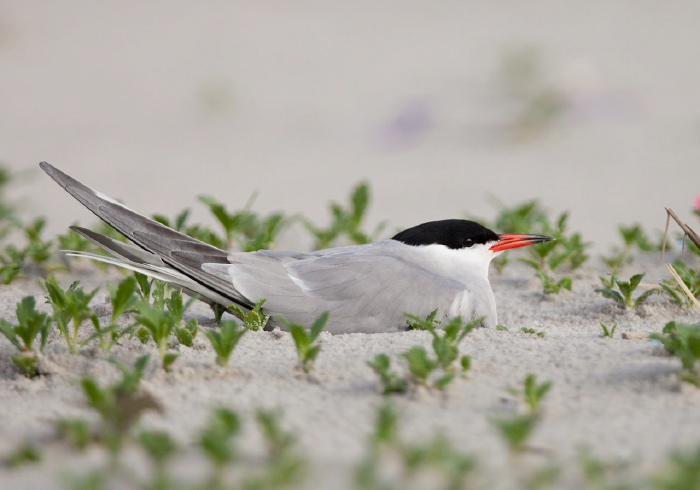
(439, 265)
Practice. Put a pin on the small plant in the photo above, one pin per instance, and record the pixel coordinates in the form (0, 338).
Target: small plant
(225, 339)
(123, 299)
(70, 305)
(250, 231)
(160, 449)
(392, 382)
(608, 331)
(517, 429)
(623, 297)
(690, 278)
(119, 405)
(284, 467)
(445, 345)
(347, 222)
(216, 441)
(683, 341)
(305, 340)
(159, 323)
(447, 467)
(682, 471)
(25, 453)
(28, 260)
(533, 332)
(254, 319)
(31, 323)
(145, 286)
(532, 392)
(425, 370)
(598, 473)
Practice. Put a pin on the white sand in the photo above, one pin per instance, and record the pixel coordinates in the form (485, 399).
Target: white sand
(304, 93)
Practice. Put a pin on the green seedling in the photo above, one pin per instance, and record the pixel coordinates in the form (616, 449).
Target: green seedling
(517, 430)
(445, 345)
(254, 319)
(624, 296)
(70, 306)
(683, 341)
(119, 405)
(502, 328)
(26, 453)
(160, 449)
(8, 218)
(305, 340)
(391, 381)
(186, 335)
(284, 467)
(123, 299)
(690, 278)
(420, 365)
(681, 472)
(77, 432)
(533, 332)
(12, 264)
(31, 324)
(608, 331)
(447, 467)
(157, 325)
(425, 370)
(32, 258)
(244, 227)
(217, 442)
(532, 392)
(634, 239)
(601, 474)
(225, 339)
(347, 223)
(550, 286)
(145, 286)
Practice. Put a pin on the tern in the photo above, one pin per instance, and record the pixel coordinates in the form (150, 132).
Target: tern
(368, 288)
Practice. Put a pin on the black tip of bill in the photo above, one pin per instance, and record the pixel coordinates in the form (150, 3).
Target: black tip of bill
(509, 240)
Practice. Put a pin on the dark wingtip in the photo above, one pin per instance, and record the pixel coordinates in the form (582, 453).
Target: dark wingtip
(54, 173)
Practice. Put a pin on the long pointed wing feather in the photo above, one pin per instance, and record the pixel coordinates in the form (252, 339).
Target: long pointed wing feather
(154, 237)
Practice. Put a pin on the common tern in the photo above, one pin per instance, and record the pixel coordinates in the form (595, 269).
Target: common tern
(368, 288)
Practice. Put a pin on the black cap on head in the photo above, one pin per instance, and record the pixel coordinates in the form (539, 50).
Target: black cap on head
(452, 233)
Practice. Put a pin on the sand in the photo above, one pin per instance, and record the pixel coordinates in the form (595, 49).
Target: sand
(156, 104)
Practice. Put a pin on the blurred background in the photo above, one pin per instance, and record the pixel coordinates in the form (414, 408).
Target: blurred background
(443, 107)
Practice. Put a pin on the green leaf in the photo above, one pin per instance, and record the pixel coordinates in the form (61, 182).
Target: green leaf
(420, 365)
(318, 325)
(443, 381)
(168, 359)
(635, 280)
(614, 295)
(28, 365)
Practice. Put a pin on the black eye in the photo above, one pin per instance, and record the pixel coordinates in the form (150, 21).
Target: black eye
(467, 242)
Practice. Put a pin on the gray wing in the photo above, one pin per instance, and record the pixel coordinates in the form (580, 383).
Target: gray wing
(176, 250)
(367, 288)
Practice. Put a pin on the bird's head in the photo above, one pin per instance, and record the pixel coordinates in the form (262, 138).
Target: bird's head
(461, 234)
